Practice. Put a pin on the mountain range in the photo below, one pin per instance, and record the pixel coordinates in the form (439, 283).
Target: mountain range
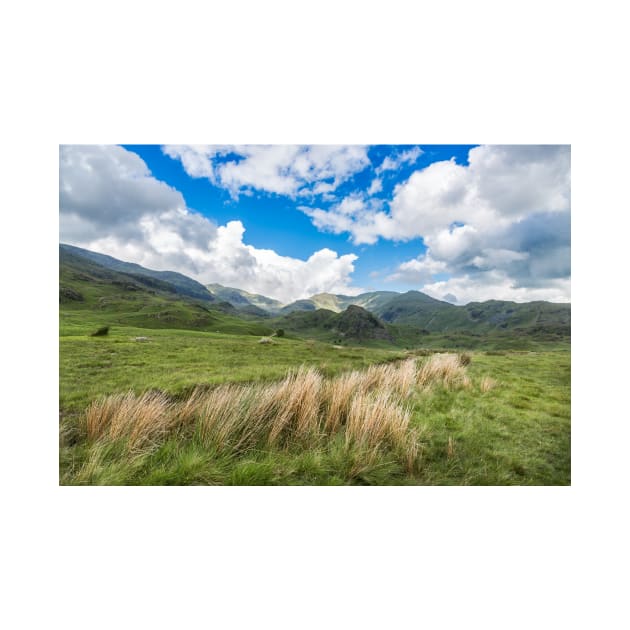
(134, 294)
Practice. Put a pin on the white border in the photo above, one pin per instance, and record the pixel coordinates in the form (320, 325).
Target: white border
(456, 72)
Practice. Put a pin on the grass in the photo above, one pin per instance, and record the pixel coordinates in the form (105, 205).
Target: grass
(175, 361)
(512, 427)
(226, 413)
(300, 411)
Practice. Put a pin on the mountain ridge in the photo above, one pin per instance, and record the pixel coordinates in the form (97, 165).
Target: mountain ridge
(412, 309)
(183, 284)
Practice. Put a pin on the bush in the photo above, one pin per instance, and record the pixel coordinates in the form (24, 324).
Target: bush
(280, 332)
(464, 359)
(101, 332)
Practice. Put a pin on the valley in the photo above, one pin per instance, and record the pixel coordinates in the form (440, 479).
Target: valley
(478, 394)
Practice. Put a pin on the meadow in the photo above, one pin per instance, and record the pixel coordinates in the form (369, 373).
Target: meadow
(221, 408)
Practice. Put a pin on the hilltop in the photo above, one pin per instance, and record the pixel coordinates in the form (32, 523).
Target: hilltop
(354, 324)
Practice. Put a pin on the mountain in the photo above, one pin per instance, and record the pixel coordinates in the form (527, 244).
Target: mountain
(338, 303)
(243, 300)
(91, 295)
(357, 323)
(183, 284)
(300, 305)
(419, 310)
(143, 297)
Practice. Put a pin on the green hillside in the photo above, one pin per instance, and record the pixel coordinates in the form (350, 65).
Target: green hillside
(91, 296)
(419, 310)
(353, 325)
(182, 284)
(493, 415)
(134, 296)
(415, 314)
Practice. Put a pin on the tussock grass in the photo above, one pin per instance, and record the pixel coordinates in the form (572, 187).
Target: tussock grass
(368, 409)
(486, 384)
(445, 369)
(296, 405)
(141, 419)
(377, 419)
(516, 434)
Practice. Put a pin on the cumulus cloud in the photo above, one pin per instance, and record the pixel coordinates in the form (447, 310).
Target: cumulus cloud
(418, 270)
(356, 213)
(107, 187)
(497, 285)
(110, 203)
(500, 185)
(506, 212)
(529, 256)
(289, 170)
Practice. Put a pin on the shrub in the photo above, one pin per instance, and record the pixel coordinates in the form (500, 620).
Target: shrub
(464, 359)
(280, 332)
(101, 332)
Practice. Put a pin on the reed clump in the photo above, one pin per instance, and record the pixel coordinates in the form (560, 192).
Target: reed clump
(142, 419)
(369, 409)
(443, 369)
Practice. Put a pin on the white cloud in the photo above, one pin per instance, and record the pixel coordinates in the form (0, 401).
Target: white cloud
(508, 211)
(289, 170)
(525, 260)
(497, 285)
(501, 185)
(418, 270)
(453, 243)
(355, 213)
(375, 187)
(107, 187)
(110, 203)
(392, 163)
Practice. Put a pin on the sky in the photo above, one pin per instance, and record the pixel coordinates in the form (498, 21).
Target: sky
(461, 223)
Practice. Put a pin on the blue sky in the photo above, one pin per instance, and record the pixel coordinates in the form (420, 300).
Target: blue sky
(272, 222)
(460, 222)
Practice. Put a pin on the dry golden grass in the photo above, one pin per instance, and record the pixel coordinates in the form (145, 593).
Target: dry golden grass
(400, 377)
(445, 369)
(141, 419)
(368, 408)
(338, 396)
(222, 423)
(450, 447)
(486, 384)
(377, 418)
(296, 401)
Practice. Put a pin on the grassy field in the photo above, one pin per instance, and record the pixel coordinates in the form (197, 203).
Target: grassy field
(176, 360)
(504, 419)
